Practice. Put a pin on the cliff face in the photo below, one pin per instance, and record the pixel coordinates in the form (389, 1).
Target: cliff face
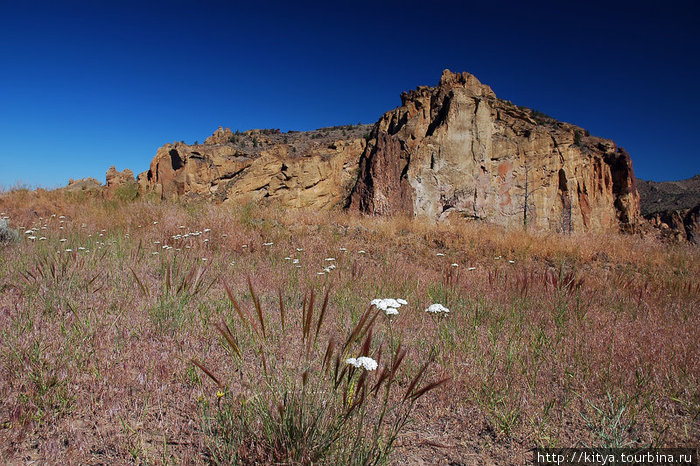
(453, 149)
(294, 170)
(457, 149)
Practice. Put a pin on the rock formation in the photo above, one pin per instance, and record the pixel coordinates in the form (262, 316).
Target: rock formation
(673, 207)
(119, 183)
(678, 225)
(457, 149)
(453, 149)
(294, 170)
(86, 185)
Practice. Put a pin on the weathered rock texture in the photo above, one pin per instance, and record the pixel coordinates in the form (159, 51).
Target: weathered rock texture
(680, 225)
(116, 180)
(673, 207)
(456, 148)
(295, 169)
(451, 149)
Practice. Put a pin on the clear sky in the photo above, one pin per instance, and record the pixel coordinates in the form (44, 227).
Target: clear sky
(85, 85)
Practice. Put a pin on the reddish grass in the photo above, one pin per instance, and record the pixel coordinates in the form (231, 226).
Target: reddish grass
(96, 346)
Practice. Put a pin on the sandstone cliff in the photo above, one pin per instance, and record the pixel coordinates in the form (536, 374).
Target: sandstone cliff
(457, 149)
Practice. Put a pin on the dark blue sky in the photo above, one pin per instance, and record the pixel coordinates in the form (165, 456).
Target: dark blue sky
(84, 85)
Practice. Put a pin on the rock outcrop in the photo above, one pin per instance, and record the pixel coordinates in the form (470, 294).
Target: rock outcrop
(673, 207)
(458, 149)
(120, 184)
(293, 169)
(679, 225)
(85, 185)
(453, 149)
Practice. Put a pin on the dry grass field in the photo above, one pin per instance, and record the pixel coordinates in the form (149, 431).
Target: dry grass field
(107, 309)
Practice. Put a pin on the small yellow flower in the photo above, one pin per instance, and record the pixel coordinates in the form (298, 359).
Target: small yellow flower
(219, 393)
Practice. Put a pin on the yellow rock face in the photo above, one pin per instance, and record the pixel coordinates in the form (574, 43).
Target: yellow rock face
(321, 178)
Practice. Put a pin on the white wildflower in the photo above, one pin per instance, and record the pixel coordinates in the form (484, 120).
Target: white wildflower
(28, 232)
(31, 237)
(437, 309)
(389, 305)
(268, 244)
(287, 258)
(471, 268)
(300, 249)
(295, 261)
(511, 262)
(330, 259)
(440, 254)
(366, 363)
(43, 238)
(62, 240)
(69, 250)
(207, 230)
(455, 265)
(361, 251)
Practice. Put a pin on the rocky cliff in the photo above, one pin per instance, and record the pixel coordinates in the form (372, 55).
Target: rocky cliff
(673, 207)
(458, 149)
(297, 169)
(453, 149)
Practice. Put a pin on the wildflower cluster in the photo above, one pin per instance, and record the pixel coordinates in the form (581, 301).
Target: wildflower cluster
(437, 309)
(365, 362)
(389, 305)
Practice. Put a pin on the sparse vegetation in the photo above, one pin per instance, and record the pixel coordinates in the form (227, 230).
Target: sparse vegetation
(127, 192)
(550, 340)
